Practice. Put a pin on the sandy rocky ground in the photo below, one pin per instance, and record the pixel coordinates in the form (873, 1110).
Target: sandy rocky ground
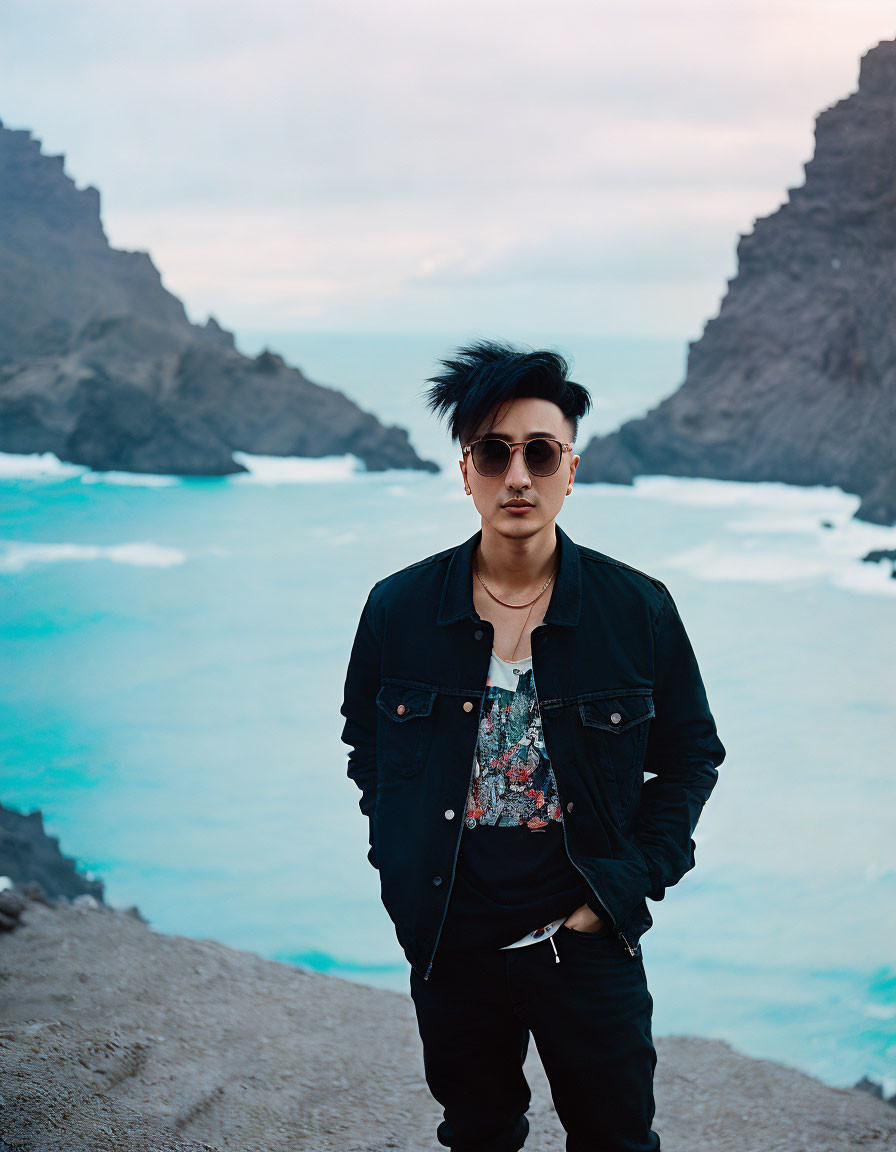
(116, 1037)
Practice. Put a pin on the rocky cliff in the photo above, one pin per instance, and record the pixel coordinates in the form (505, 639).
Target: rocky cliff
(100, 364)
(120, 1038)
(795, 379)
(28, 856)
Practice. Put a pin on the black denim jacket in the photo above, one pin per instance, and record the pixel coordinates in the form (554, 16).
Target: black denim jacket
(620, 695)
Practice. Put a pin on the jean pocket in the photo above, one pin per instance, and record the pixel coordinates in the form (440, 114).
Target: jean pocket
(603, 933)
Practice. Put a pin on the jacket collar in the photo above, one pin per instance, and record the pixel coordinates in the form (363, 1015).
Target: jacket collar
(566, 596)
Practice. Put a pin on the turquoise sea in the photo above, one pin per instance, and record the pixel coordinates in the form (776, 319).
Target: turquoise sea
(173, 662)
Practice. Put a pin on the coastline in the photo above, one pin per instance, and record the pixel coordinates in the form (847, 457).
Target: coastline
(116, 1036)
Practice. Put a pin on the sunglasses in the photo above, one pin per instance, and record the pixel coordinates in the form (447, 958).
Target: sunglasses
(491, 456)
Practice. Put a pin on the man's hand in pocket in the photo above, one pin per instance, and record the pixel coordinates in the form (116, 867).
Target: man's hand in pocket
(584, 920)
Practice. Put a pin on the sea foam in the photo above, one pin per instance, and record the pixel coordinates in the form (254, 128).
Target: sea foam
(814, 536)
(17, 555)
(296, 469)
(823, 500)
(36, 465)
(133, 479)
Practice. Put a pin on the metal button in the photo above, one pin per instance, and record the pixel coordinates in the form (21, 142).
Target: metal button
(468, 707)
(615, 718)
(569, 806)
(401, 709)
(477, 635)
(437, 880)
(449, 815)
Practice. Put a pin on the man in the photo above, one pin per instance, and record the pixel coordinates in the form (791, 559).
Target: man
(503, 702)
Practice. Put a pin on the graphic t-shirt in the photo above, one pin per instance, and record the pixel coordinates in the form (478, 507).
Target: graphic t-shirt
(513, 873)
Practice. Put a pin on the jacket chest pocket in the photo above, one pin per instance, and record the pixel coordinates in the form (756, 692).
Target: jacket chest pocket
(614, 728)
(404, 728)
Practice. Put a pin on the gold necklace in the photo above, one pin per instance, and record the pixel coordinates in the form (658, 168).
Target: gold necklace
(504, 602)
(529, 605)
(522, 630)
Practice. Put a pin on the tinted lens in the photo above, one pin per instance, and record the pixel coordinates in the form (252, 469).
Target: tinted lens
(542, 457)
(490, 457)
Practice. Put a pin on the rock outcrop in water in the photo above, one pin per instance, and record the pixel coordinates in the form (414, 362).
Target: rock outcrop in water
(100, 365)
(28, 856)
(795, 379)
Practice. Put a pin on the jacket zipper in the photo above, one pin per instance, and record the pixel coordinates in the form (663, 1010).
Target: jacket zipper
(457, 845)
(435, 946)
(619, 935)
(631, 950)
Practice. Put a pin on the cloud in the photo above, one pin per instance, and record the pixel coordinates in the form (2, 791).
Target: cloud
(326, 161)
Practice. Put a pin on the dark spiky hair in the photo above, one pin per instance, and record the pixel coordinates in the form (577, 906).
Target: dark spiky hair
(486, 373)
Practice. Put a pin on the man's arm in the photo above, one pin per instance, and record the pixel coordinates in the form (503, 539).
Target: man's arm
(683, 750)
(362, 683)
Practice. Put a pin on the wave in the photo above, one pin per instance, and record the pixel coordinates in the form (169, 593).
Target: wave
(296, 469)
(719, 493)
(763, 565)
(262, 469)
(17, 555)
(825, 542)
(36, 465)
(134, 479)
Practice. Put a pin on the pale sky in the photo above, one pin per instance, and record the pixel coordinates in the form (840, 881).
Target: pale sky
(425, 165)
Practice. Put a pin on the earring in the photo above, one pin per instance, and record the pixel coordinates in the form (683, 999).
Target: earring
(569, 489)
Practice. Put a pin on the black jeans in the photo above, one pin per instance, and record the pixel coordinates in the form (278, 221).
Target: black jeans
(590, 1017)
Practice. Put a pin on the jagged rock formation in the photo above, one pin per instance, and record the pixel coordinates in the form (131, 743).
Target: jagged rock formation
(877, 554)
(795, 379)
(100, 364)
(29, 856)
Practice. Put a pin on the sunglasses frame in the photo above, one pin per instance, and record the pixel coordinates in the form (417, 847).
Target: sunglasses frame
(520, 444)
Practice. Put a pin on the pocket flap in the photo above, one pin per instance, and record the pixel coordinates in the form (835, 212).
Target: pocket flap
(403, 702)
(616, 713)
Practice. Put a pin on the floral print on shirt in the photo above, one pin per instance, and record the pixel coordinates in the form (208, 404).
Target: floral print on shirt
(513, 782)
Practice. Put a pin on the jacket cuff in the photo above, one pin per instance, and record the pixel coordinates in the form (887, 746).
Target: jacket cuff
(598, 909)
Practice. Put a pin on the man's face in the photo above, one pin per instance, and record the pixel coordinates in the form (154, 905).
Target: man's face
(542, 496)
